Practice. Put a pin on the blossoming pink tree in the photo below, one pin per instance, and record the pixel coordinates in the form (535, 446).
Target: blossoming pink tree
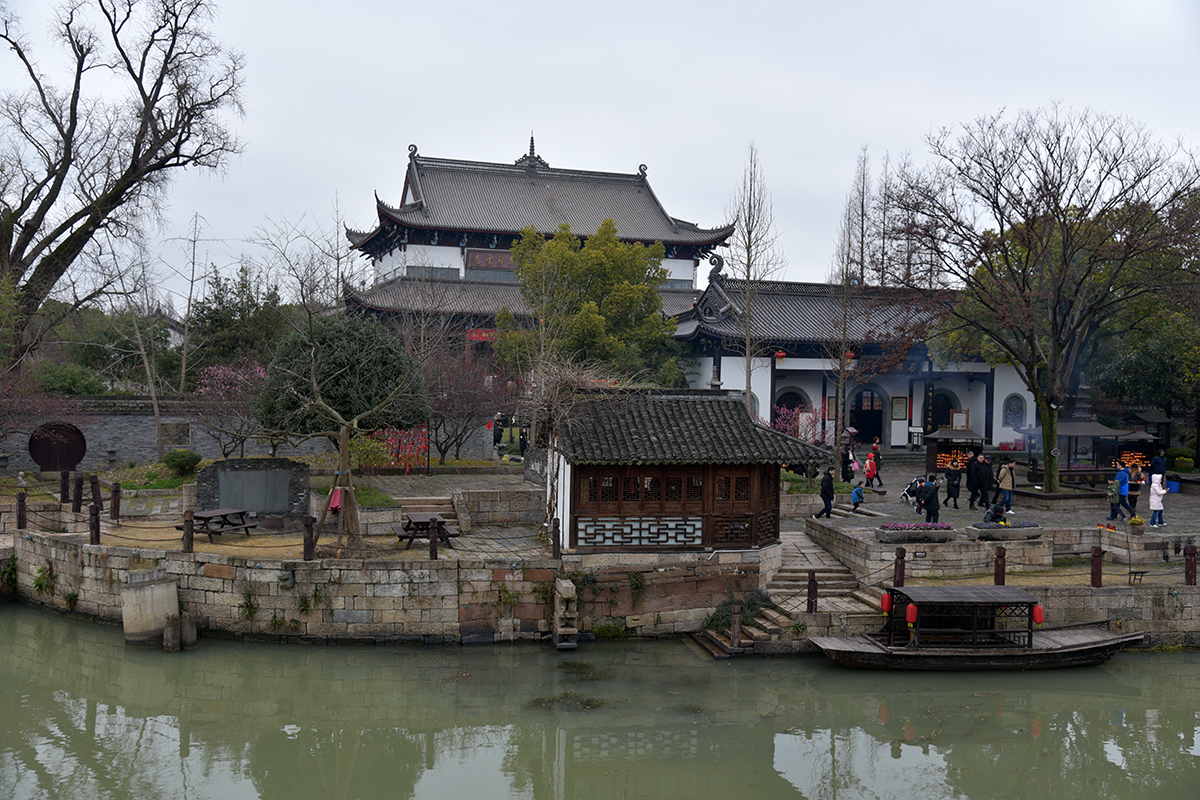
(224, 394)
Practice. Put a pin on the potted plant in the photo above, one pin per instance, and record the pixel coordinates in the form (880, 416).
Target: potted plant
(1137, 524)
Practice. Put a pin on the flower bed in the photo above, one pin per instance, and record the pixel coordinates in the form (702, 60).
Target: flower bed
(992, 526)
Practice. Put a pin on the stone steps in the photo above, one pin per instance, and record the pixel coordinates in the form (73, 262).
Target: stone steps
(443, 506)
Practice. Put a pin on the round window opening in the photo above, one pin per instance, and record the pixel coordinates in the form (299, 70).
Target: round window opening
(57, 446)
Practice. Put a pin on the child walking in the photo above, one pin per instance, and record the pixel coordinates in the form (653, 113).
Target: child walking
(856, 496)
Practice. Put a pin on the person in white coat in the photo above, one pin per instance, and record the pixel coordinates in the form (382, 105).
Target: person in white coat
(1157, 491)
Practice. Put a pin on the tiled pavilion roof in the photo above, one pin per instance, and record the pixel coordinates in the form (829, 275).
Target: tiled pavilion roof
(687, 427)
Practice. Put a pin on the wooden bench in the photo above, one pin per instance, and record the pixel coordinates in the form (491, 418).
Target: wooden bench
(1135, 575)
(444, 534)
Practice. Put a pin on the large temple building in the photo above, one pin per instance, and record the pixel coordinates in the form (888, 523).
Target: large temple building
(458, 219)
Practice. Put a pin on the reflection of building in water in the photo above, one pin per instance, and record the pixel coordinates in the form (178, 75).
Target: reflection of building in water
(84, 717)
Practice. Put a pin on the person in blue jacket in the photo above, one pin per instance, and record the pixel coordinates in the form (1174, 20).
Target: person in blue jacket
(856, 496)
(1123, 487)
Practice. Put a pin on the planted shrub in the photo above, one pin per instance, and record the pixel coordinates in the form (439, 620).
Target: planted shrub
(1173, 455)
(1186, 464)
(181, 462)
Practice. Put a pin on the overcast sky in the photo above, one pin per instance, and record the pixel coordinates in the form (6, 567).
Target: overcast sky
(335, 93)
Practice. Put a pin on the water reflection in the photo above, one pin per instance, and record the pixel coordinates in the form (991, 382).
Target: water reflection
(84, 717)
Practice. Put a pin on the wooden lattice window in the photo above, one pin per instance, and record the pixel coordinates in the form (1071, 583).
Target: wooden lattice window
(591, 489)
(695, 489)
(674, 489)
(741, 488)
(722, 488)
(631, 493)
(652, 490)
(608, 489)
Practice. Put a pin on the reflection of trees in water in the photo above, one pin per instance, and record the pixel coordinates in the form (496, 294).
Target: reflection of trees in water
(98, 720)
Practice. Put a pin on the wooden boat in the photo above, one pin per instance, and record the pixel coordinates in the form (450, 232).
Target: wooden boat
(972, 628)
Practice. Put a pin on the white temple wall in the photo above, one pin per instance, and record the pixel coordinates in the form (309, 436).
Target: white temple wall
(394, 264)
(681, 269)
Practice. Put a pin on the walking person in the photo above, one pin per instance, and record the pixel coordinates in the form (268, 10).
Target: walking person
(877, 451)
(979, 478)
(953, 482)
(1136, 479)
(872, 470)
(1123, 486)
(857, 496)
(826, 495)
(1007, 480)
(994, 481)
(1158, 464)
(929, 499)
(1114, 501)
(1157, 493)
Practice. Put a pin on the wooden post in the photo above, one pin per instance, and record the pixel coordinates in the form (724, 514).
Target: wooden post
(998, 578)
(94, 524)
(22, 510)
(555, 542)
(64, 486)
(735, 626)
(433, 532)
(898, 576)
(189, 530)
(114, 505)
(77, 497)
(310, 542)
(811, 604)
(97, 498)
(1097, 568)
(1189, 565)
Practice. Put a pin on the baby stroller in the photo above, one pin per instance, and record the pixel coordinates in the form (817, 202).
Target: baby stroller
(909, 495)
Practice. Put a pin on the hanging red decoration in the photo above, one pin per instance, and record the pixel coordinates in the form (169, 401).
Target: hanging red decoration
(1039, 615)
(910, 614)
(780, 355)
(885, 602)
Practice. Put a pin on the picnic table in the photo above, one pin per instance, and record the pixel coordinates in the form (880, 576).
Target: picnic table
(424, 525)
(222, 520)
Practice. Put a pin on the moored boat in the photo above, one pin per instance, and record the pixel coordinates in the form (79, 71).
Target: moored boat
(972, 628)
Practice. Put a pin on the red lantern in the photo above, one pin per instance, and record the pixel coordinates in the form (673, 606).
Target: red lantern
(910, 614)
(1039, 615)
(885, 602)
(780, 355)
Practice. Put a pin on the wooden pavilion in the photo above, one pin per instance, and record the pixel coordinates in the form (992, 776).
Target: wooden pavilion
(673, 471)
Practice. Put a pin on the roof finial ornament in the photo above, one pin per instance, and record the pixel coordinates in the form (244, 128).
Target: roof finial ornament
(412, 151)
(714, 274)
(642, 171)
(531, 151)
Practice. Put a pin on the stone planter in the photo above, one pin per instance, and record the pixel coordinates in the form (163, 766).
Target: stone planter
(914, 537)
(1137, 530)
(1003, 534)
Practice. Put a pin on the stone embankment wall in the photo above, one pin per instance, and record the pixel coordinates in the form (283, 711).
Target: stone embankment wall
(871, 561)
(415, 600)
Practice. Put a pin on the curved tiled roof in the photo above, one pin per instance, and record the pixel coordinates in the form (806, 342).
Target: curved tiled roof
(697, 427)
(478, 196)
(786, 311)
(448, 296)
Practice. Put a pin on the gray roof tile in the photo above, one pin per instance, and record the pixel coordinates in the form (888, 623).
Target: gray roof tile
(696, 427)
(480, 196)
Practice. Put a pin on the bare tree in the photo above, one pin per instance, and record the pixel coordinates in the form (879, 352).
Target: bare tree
(1040, 228)
(146, 95)
(755, 256)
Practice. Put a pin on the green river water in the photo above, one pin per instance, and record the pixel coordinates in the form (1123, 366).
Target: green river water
(81, 716)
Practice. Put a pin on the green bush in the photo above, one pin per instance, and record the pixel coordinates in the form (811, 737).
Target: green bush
(71, 379)
(1178, 452)
(1185, 464)
(181, 462)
